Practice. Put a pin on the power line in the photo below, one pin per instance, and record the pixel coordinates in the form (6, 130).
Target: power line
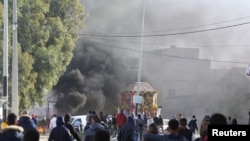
(105, 35)
(184, 28)
(163, 44)
(167, 34)
(192, 27)
(154, 44)
(160, 54)
(173, 56)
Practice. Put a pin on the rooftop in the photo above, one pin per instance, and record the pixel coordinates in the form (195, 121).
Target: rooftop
(144, 86)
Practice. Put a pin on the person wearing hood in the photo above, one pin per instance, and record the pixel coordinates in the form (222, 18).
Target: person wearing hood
(127, 131)
(31, 135)
(173, 129)
(12, 132)
(60, 132)
(193, 124)
(70, 127)
(94, 126)
(152, 133)
(26, 122)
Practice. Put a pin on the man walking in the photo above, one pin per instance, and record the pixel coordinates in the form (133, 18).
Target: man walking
(12, 132)
(121, 119)
(193, 124)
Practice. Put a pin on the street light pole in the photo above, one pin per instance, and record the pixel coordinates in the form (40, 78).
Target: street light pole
(140, 59)
(5, 61)
(14, 102)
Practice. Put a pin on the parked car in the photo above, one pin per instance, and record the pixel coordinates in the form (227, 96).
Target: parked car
(165, 124)
(79, 122)
(163, 130)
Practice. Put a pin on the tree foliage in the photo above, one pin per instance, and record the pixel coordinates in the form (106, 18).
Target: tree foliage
(47, 33)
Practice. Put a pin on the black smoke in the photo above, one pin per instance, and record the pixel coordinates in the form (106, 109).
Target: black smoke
(93, 80)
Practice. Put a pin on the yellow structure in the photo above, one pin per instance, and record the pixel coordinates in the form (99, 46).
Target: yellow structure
(149, 95)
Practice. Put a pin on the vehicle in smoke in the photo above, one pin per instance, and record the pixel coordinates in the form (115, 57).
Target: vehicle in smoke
(79, 122)
(163, 128)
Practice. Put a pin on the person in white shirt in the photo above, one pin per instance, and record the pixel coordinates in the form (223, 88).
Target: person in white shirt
(52, 123)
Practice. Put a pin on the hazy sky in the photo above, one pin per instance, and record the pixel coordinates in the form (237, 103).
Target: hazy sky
(163, 17)
(219, 28)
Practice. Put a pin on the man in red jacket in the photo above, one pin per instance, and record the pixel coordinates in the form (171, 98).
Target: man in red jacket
(121, 119)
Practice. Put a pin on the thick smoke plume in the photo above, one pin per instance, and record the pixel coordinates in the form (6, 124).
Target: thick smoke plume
(96, 74)
(93, 81)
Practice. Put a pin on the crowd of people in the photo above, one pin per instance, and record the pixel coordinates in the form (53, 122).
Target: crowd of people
(23, 128)
(128, 127)
(120, 126)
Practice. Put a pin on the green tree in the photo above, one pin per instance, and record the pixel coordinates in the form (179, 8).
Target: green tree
(47, 34)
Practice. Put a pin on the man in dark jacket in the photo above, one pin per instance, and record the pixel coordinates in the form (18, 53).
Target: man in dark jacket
(60, 132)
(94, 126)
(11, 132)
(173, 128)
(153, 137)
(26, 122)
(139, 126)
(128, 131)
(71, 128)
(184, 131)
(193, 124)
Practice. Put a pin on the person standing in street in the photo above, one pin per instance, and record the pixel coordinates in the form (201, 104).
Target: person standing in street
(139, 125)
(204, 127)
(31, 135)
(161, 124)
(152, 134)
(33, 117)
(52, 123)
(60, 132)
(193, 124)
(12, 132)
(26, 122)
(128, 131)
(173, 129)
(184, 131)
(114, 131)
(102, 135)
(72, 130)
(121, 119)
(94, 126)
(216, 119)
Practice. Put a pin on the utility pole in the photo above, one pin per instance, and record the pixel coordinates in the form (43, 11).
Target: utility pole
(5, 62)
(14, 102)
(140, 60)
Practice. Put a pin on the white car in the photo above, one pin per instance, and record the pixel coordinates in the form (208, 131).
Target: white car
(165, 124)
(79, 122)
(163, 130)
